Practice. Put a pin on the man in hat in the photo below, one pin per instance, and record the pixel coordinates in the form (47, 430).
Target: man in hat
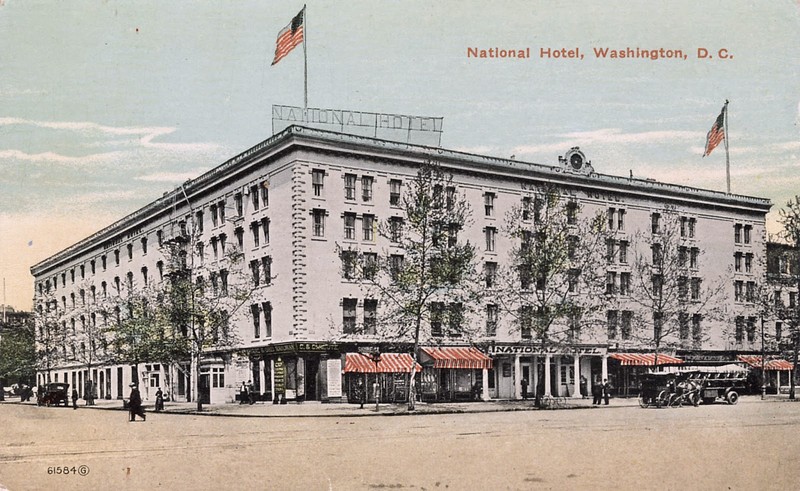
(135, 403)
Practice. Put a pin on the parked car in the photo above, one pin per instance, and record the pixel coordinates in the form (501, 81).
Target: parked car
(54, 394)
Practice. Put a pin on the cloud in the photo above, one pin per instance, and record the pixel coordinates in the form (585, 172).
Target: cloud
(615, 135)
(169, 176)
(52, 157)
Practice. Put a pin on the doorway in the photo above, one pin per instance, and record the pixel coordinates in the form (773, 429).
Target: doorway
(312, 371)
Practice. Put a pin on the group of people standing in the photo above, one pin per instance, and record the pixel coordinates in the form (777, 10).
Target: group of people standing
(601, 392)
(247, 393)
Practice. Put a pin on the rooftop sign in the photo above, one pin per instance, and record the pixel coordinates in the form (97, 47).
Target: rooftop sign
(418, 130)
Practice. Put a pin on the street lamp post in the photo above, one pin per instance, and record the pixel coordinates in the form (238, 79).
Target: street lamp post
(763, 364)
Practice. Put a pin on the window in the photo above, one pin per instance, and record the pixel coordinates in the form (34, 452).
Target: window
(750, 291)
(222, 240)
(368, 227)
(611, 320)
(737, 233)
(370, 266)
(221, 212)
(130, 252)
(490, 273)
(160, 268)
(116, 285)
(624, 283)
(488, 204)
(748, 230)
(254, 226)
(658, 256)
(129, 277)
(366, 188)
(437, 315)
(751, 329)
(237, 202)
(319, 222)
(737, 262)
(611, 282)
(610, 216)
(491, 320)
(694, 255)
(103, 287)
(739, 329)
(159, 238)
(684, 233)
(692, 226)
(83, 274)
(655, 223)
(144, 250)
(394, 192)
(792, 300)
(349, 315)
(395, 266)
(695, 289)
(264, 229)
(683, 326)
(254, 311)
(255, 270)
(395, 229)
(625, 326)
(609, 251)
(491, 234)
(239, 234)
(349, 264)
(350, 226)
(317, 181)
(778, 331)
(455, 316)
(572, 246)
(572, 280)
(264, 197)
(266, 307)
(350, 186)
(658, 284)
(748, 263)
(572, 213)
(266, 265)
(450, 193)
(370, 316)
(144, 275)
(82, 293)
(215, 247)
(738, 291)
(526, 208)
(254, 197)
(103, 262)
(621, 219)
(697, 328)
(683, 288)
(778, 299)
(72, 275)
(623, 252)
(214, 283)
(658, 323)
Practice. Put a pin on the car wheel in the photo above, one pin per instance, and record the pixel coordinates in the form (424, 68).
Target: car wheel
(732, 397)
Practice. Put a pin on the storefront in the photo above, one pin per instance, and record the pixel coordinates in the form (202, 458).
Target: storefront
(521, 370)
(625, 370)
(297, 371)
(391, 371)
(777, 373)
(453, 374)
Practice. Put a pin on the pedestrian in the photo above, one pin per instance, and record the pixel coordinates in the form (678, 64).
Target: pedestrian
(597, 392)
(243, 393)
(584, 392)
(159, 400)
(251, 393)
(606, 391)
(524, 389)
(135, 404)
(74, 399)
(360, 393)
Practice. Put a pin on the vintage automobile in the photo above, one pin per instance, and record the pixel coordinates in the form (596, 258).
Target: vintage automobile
(669, 390)
(54, 394)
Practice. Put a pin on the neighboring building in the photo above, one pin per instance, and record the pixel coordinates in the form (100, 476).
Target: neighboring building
(287, 202)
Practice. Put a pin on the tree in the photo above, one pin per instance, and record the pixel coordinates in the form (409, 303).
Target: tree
(427, 283)
(789, 218)
(552, 285)
(50, 334)
(672, 301)
(17, 351)
(90, 341)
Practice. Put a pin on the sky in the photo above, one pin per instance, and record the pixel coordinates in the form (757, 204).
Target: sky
(105, 105)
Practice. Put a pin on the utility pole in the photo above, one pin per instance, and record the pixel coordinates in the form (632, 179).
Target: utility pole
(763, 363)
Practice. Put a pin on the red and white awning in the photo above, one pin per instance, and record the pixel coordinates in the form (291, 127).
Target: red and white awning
(777, 364)
(644, 359)
(452, 357)
(389, 363)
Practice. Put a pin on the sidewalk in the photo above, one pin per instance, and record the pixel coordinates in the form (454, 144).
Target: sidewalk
(317, 409)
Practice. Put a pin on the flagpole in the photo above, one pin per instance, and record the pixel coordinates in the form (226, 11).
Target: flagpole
(727, 154)
(305, 60)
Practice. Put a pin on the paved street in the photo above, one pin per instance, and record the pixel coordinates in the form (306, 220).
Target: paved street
(753, 445)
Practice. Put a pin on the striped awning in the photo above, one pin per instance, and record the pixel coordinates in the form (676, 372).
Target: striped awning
(389, 363)
(644, 359)
(775, 364)
(452, 357)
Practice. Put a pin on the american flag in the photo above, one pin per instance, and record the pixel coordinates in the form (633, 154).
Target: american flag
(289, 37)
(717, 133)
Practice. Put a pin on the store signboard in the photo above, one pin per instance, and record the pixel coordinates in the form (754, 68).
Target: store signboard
(335, 377)
(280, 377)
